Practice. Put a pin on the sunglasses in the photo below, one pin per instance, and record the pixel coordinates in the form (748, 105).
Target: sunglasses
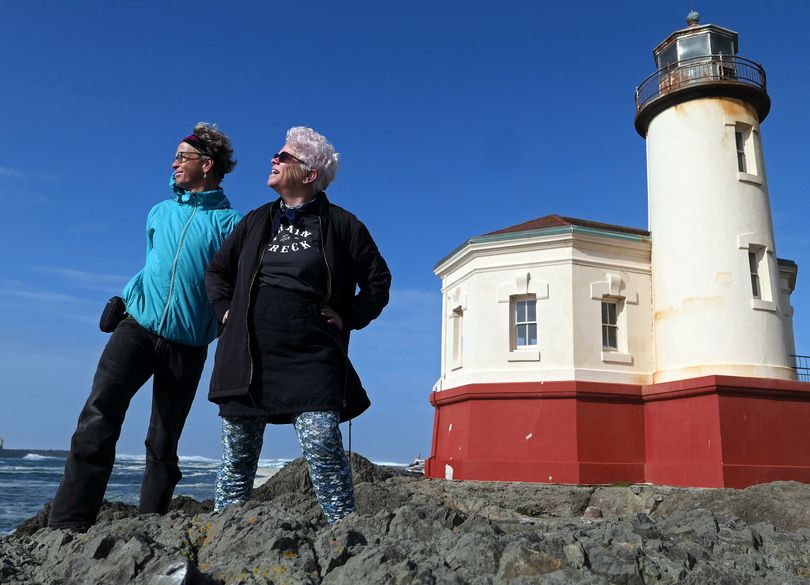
(285, 157)
(182, 157)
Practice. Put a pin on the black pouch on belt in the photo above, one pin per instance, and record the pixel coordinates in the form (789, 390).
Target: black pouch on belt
(114, 313)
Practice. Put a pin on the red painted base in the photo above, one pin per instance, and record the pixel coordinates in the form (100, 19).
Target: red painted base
(713, 431)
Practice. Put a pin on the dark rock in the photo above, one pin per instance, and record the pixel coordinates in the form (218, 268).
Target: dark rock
(592, 512)
(116, 511)
(615, 502)
(414, 530)
(102, 546)
(575, 555)
(563, 577)
(698, 526)
(109, 510)
(474, 554)
(256, 540)
(190, 506)
(364, 470)
(613, 551)
(180, 572)
(293, 478)
(372, 497)
(30, 526)
(521, 561)
(335, 546)
(658, 568)
(423, 523)
(781, 503)
(394, 563)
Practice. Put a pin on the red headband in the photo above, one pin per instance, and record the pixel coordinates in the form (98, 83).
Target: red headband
(194, 140)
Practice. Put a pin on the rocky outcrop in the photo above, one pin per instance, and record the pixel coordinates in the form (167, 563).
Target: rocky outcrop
(411, 530)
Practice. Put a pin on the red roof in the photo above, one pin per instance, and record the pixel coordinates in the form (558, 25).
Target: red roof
(549, 221)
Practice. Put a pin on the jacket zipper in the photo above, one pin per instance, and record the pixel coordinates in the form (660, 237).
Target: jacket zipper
(337, 335)
(174, 267)
(250, 296)
(325, 261)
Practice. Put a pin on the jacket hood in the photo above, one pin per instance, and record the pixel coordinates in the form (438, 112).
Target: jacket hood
(214, 199)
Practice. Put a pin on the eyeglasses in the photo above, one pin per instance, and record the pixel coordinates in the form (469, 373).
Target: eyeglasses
(182, 157)
(285, 157)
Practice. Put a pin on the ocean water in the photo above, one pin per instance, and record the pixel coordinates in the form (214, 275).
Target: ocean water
(27, 484)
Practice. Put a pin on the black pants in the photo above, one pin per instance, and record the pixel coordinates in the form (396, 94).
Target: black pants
(132, 355)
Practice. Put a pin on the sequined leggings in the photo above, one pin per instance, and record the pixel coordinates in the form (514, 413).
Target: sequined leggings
(322, 444)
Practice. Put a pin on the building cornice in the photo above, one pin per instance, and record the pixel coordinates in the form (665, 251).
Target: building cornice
(535, 240)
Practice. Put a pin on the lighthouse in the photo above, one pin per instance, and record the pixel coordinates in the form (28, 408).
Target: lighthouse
(575, 351)
(715, 273)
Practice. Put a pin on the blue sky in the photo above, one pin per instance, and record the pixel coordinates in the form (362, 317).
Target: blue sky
(453, 118)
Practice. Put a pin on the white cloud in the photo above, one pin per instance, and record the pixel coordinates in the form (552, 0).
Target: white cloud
(89, 228)
(27, 192)
(109, 283)
(23, 175)
(12, 173)
(23, 290)
(26, 302)
(24, 200)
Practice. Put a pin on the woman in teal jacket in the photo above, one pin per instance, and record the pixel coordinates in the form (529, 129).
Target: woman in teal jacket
(182, 235)
(165, 335)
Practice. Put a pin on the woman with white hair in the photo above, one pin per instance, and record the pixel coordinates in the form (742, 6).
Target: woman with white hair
(296, 276)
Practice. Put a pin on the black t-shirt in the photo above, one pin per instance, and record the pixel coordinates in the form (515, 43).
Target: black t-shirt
(294, 260)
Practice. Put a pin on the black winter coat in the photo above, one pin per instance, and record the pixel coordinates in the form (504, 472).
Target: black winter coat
(353, 262)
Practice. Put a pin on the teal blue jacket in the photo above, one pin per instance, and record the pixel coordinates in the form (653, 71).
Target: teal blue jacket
(167, 296)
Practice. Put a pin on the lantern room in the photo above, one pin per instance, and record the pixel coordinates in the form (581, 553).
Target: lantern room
(699, 61)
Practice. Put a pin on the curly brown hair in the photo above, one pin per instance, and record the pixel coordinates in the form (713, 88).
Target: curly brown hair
(219, 146)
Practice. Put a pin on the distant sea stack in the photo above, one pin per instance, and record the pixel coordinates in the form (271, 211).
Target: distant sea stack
(20, 453)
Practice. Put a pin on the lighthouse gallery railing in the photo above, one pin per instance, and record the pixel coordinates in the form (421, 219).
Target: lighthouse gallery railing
(699, 70)
(801, 363)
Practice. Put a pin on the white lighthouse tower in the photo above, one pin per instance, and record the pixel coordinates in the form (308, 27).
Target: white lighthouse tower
(716, 279)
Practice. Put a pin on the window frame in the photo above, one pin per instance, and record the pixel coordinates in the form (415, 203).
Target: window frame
(457, 342)
(756, 248)
(607, 326)
(745, 138)
(753, 268)
(616, 289)
(739, 140)
(518, 285)
(516, 323)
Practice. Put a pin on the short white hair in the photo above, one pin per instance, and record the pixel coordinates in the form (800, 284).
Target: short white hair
(317, 153)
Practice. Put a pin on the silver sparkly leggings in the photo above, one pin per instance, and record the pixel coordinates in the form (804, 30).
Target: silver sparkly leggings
(322, 444)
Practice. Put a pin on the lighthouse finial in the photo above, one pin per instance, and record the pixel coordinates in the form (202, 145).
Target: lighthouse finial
(693, 18)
